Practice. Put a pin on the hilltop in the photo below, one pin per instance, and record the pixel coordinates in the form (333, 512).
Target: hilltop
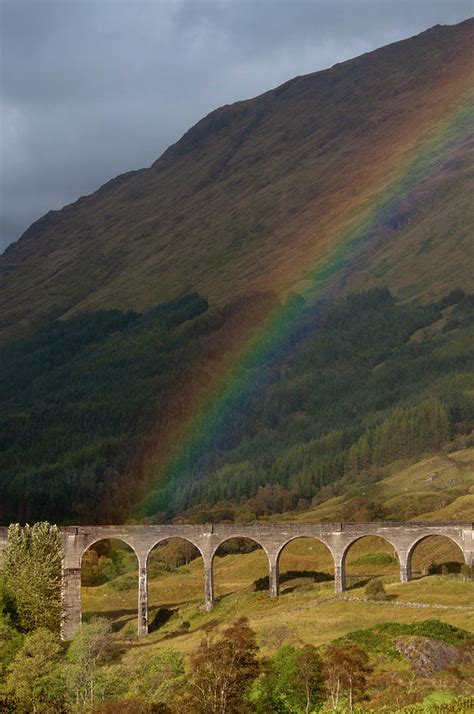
(258, 192)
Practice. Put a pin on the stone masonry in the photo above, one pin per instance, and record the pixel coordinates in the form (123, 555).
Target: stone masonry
(338, 537)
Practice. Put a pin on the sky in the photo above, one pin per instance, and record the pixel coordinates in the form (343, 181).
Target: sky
(92, 88)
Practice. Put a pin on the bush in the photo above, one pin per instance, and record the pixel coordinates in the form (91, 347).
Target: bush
(375, 590)
(128, 582)
(466, 572)
(379, 639)
(376, 559)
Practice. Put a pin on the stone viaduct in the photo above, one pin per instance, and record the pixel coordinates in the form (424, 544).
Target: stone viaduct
(272, 537)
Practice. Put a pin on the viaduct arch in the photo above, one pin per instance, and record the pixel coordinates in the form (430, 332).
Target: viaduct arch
(337, 537)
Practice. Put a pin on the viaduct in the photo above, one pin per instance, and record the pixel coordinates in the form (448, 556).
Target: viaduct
(337, 537)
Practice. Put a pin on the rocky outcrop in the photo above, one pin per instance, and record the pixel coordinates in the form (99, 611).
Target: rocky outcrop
(428, 656)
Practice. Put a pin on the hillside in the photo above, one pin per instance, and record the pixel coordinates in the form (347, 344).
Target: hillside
(307, 610)
(274, 322)
(274, 312)
(260, 193)
(92, 406)
(416, 638)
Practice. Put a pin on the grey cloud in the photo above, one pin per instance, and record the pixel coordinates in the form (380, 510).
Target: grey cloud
(92, 88)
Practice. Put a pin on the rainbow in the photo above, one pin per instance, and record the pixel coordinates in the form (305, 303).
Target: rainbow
(239, 372)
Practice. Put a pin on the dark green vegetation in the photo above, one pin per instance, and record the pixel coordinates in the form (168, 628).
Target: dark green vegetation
(78, 398)
(367, 382)
(380, 639)
(371, 382)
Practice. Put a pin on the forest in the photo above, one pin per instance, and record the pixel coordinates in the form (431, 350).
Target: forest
(360, 382)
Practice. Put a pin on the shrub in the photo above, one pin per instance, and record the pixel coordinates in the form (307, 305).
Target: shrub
(375, 590)
(376, 559)
(379, 639)
(466, 572)
(127, 582)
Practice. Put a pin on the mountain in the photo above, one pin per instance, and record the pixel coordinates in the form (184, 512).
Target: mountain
(259, 192)
(276, 309)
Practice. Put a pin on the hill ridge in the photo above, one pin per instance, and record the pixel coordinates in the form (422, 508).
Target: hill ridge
(230, 215)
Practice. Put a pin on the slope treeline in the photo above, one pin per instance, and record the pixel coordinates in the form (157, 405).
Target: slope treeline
(372, 382)
(367, 381)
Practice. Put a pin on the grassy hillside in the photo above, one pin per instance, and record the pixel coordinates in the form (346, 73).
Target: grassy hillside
(311, 612)
(204, 358)
(306, 572)
(436, 488)
(418, 640)
(258, 193)
(306, 612)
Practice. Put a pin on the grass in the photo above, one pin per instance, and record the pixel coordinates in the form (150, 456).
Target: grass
(309, 610)
(311, 616)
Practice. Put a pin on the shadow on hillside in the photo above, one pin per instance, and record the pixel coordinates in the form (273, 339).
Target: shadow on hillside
(162, 615)
(313, 576)
(120, 617)
(358, 582)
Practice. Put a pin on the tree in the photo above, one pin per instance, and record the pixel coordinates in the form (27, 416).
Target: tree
(32, 572)
(177, 552)
(10, 642)
(29, 674)
(309, 682)
(292, 681)
(222, 671)
(87, 652)
(362, 510)
(158, 678)
(346, 667)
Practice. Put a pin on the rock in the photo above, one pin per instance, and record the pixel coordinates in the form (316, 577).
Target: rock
(426, 655)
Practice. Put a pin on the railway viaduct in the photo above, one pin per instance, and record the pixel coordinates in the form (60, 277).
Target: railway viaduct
(338, 537)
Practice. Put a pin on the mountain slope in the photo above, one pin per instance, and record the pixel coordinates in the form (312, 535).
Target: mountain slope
(275, 383)
(92, 407)
(259, 192)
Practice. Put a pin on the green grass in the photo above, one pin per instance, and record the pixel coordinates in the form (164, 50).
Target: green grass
(310, 611)
(305, 612)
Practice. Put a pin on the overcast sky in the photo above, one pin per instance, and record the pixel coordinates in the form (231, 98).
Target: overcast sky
(93, 88)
